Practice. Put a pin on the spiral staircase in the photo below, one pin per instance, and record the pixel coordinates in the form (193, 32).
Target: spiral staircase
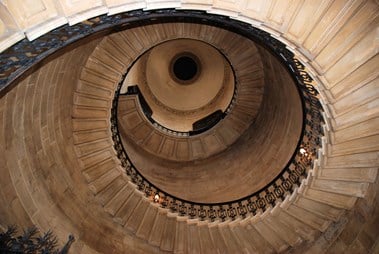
(60, 168)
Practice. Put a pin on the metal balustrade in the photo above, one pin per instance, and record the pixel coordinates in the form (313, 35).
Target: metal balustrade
(18, 59)
(284, 184)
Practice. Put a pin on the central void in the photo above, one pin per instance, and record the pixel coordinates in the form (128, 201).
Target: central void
(183, 80)
(185, 68)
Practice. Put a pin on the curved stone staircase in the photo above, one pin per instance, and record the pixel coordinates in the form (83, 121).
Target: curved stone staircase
(43, 134)
(243, 56)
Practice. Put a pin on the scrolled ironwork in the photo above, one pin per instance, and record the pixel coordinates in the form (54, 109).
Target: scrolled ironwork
(290, 177)
(20, 57)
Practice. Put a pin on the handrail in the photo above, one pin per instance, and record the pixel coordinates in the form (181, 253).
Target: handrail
(29, 54)
(284, 184)
(146, 110)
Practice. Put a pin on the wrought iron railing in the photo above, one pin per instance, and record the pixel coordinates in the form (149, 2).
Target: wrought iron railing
(276, 191)
(16, 60)
(284, 184)
(145, 109)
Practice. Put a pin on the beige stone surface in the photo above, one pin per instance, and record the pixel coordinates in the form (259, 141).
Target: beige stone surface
(257, 158)
(337, 38)
(77, 11)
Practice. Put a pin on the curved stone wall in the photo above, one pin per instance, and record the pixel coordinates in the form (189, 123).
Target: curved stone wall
(40, 180)
(169, 146)
(263, 150)
(341, 54)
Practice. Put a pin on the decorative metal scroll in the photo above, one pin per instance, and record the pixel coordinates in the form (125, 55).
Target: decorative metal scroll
(22, 56)
(283, 185)
(146, 110)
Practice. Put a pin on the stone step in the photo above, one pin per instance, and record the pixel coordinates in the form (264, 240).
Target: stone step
(363, 144)
(96, 171)
(85, 149)
(112, 56)
(245, 113)
(193, 237)
(137, 215)
(206, 243)
(157, 229)
(362, 129)
(217, 238)
(169, 233)
(102, 182)
(358, 115)
(90, 125)
(105, 69)
(357, 160)
(237, 122)
(129, 45)
(348, 174)
(145, 40)
(251, 78)
(90, 101)
(89, 136)
(322, 209)
(86, 112)
(181, 237)
(88, 88)
(356, 189)
(126, 210)
(257, 240)
(347, 102)
(243, 237)
(290, 237)
(307, 217)
(333, 199)
(147, 222)
(105, 195)
(295, 225)
(91, 159)
(229, 238)
(249, 101)
(227, 133)
(114, 204)
(106, 58)
(97, 79)
(127, 104)
(272, 238)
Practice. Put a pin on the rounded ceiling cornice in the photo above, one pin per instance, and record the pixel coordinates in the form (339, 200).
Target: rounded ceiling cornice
(195, 93)
(185, 68)
(176, 106)
(205, 141)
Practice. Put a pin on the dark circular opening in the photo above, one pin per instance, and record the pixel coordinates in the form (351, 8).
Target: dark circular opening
(185, 68)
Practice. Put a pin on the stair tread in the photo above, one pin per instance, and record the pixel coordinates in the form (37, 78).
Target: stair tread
(147, 223)
(193, 241)
(217, 238)
(137, 216)
(270, 236)
(168, 236)
(126, 210)
(206, 243)
(158, 227)
(181, 237)
(282, 231)
(118, 199)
